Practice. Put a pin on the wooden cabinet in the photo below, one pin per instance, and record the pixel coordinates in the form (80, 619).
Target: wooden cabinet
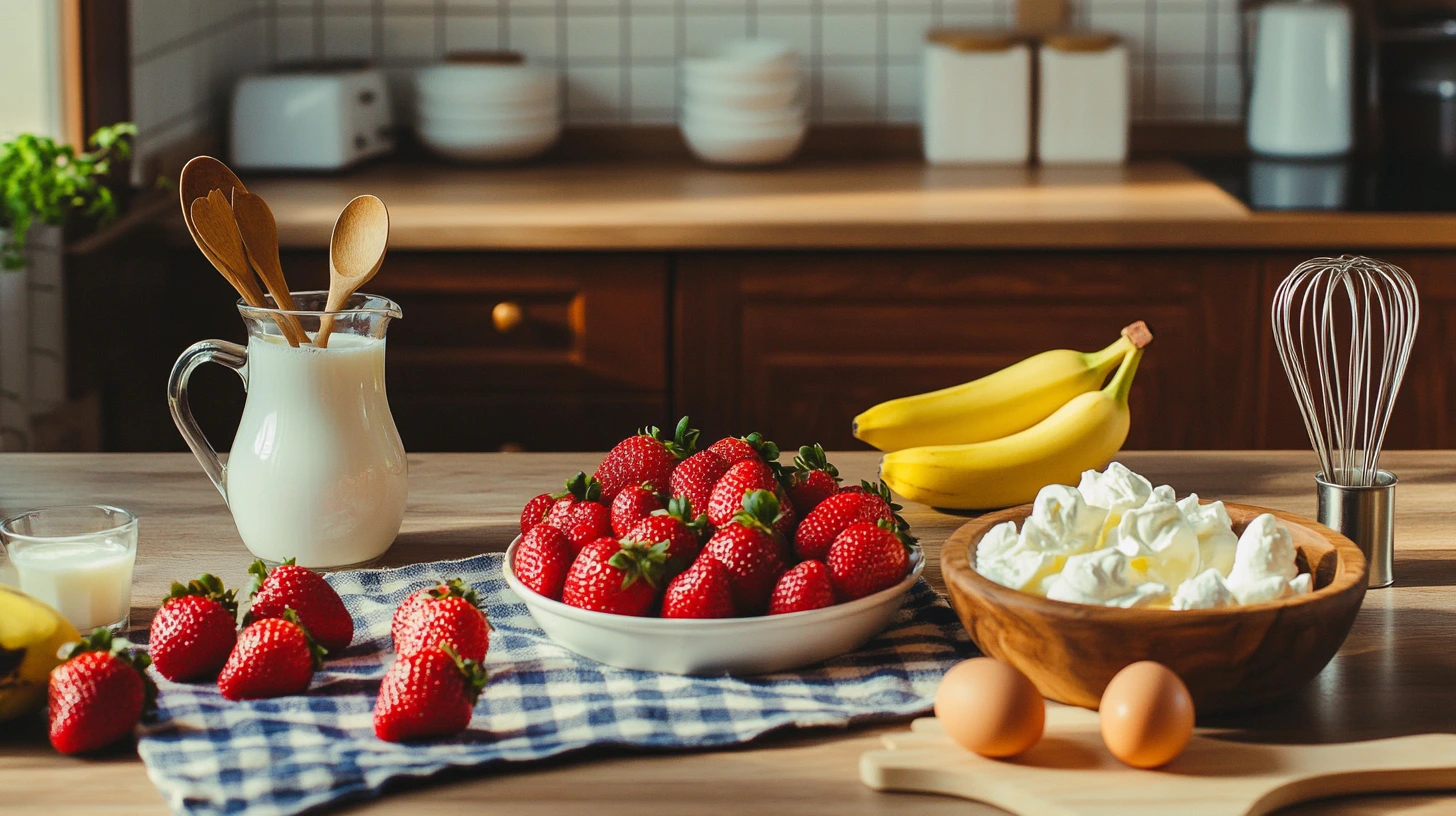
(794, 345)
(520, 351)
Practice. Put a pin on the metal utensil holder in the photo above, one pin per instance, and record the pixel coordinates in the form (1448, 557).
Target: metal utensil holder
(1365, 515)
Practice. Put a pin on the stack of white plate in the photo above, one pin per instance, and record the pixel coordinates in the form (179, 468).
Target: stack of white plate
(742, 104)
(486, 110)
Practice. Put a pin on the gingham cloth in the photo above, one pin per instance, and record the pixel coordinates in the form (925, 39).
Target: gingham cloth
(208, 755)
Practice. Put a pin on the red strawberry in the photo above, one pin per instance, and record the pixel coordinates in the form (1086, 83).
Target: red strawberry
(676, 526)
(735, 449)
(542, 560)
(535, 511)
(867, 558)
(274, 657)
(878, 495)
(194, 631)
(99, 694)
(802, 588)
(304, 591)
(634, 503)
(620, 577)
(646, 458)
(578, 513)
(751, 551)
(449, 612)
(694, 477)
(704, 590)
(431, 693)
(833, 516)
(742, 478)
(813, 479)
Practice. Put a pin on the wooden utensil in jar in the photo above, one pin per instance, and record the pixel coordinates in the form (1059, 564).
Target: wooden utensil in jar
(356, 251)
(259, 232)
(221, 242)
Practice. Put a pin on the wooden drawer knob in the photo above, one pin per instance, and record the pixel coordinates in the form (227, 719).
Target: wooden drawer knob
(506, 316)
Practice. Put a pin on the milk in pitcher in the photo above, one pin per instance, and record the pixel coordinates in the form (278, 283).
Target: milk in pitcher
(317, 471)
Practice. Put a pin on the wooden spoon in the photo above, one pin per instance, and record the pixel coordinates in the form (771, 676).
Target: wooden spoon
(356, 251)
(260, 238)
(201, 176)
(220, 241)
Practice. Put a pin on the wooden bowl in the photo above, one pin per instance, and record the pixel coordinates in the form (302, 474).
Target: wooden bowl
(1230, 658)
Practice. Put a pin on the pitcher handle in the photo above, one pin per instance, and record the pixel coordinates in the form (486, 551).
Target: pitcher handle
(224, 353)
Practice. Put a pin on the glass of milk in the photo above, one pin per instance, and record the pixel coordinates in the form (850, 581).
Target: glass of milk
(77, 559)
(317, 471)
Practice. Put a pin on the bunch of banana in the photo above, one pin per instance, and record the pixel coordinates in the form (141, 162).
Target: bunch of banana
(31, 633)
(998, 440)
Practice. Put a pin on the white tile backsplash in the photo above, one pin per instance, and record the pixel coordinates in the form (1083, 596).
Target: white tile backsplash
(619, 56)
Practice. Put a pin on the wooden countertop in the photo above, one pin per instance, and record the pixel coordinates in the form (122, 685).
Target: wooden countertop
(1393, 676)
(873, 204)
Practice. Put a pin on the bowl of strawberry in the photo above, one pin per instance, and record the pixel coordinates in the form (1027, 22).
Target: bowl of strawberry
(718, 561)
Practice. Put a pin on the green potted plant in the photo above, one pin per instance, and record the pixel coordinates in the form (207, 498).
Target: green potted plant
(44, 186)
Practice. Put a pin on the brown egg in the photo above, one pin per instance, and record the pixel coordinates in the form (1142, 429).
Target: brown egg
(990, 707)
(1146, 715)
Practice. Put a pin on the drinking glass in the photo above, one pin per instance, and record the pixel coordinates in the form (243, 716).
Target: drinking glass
(78, 559)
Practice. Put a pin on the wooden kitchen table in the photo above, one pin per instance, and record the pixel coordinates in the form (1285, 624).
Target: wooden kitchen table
(1393, 677)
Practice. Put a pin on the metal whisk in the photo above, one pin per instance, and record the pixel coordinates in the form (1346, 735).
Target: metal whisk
(1344, 328)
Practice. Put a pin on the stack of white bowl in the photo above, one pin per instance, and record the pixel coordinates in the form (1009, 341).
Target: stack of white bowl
(486, 109)
(742, 104)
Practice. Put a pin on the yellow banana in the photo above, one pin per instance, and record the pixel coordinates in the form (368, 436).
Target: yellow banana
(1084, 433)
(1000, 404)
(31, 633)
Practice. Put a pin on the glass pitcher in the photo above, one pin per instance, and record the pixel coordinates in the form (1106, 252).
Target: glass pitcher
(317, 471)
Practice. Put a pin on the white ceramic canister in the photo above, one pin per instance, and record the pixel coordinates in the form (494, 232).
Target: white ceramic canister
(1082, 116)
(976, 100)
(1301, 101)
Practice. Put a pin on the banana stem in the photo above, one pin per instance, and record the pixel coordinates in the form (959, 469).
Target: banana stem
(1121, 383)
(1103, 360)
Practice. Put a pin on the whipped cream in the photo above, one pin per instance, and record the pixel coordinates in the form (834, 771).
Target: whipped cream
(1206, 590)
(1217, 543)
(1102, 577)
(1160, 542)
(1116, 540)
(1001, 558)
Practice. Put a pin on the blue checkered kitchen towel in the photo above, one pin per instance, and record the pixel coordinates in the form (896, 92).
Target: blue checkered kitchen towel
(208, 755)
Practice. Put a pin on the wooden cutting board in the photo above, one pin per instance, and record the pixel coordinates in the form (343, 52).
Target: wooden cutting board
(1071, 772)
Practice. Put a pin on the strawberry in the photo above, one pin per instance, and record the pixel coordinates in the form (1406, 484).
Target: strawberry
(867, 558)
(676, 526)
(802, 588)
(194, 631)
(317, 605)
(99, 694)
(542, 560)
(535, 511)
(878, 495)
(634, 503)
(833, 516)
(274, 657)
(751, 551)
(449, 613)
(578, 513)
(812, 480)
(742, 478)
(430, 693)
(704, 590)
(620, 577)
(694, 477)
(646, 458)
(735, 449)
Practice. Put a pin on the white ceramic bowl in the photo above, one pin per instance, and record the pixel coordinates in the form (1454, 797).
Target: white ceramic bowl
(507, 116)
(732, 120)
(488, 146)
(499, 84)
(743, 146)
(744, 61)
(736, 646)
(740, 95)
